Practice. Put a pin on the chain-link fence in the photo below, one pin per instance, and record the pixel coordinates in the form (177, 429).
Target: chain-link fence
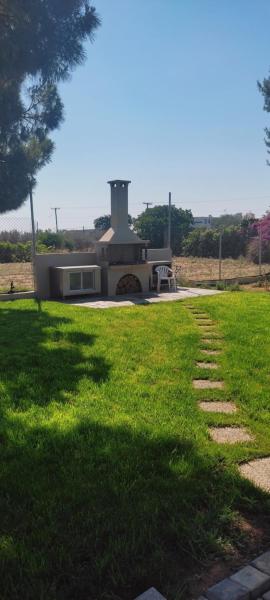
(16, 270)
(231, 262)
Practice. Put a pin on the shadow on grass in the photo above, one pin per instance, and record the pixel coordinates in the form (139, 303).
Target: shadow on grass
(103, 513)
(41, 360)
(89, 511)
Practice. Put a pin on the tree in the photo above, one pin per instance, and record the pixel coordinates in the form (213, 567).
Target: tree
(227, 220)
(264, 88)
(104, 222)
(262, 225)
(41, 42)
(152, 225)
(55, 240)
(205, 243)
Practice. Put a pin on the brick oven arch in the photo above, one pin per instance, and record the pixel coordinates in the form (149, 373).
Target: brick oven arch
(128, 284)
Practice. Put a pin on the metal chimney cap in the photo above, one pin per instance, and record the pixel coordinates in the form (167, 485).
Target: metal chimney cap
(121, 181)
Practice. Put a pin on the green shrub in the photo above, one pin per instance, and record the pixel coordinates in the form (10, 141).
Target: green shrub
(10, 253)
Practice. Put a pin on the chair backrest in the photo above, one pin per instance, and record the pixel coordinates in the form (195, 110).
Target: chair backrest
(163, 271)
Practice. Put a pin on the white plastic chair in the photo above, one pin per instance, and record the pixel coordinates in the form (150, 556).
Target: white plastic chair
(164, 273)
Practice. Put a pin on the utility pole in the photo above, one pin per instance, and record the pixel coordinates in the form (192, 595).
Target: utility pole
(56, 208)
(169, 220)
(260, 249)
(148, 204)
(220, 255)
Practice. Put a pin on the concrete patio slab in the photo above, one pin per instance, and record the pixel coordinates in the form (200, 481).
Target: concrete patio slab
(140, 299)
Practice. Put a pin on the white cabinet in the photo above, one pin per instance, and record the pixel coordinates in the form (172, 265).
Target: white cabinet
(74, 281)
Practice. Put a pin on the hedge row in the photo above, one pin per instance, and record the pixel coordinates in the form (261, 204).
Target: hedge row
(11, 253)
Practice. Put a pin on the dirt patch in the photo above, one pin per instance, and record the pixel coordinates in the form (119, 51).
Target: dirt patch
(258, 472)
(194, 268)
(250, 538)
(218, 407)
(229, 435)
(20, 273)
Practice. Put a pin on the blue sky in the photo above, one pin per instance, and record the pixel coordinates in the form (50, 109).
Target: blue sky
(167, 98)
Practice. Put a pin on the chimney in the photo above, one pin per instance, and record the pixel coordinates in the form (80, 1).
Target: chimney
(119, 204)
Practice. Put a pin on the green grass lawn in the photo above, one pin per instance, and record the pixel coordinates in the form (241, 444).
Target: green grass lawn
(109, 481)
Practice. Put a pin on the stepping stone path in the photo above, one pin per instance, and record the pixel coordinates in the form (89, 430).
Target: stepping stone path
(253, 581)
(221, 435)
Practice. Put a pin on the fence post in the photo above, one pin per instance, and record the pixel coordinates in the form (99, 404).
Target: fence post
(33, 235)
(220, 255)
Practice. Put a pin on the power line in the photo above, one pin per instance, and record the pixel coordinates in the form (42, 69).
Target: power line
(148, 204)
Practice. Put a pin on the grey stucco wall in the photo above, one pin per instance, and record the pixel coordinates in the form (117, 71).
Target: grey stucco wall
(45, 261)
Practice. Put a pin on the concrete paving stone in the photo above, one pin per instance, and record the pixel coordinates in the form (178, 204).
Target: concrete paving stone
(218, 407)
(204, 319)
(210, 352)
(207, 384)
(151, 594)
(206, 365)
(262, 562)
(258, 472)
(253, 579)
(228, 590)
(229, 435)
(209, 340)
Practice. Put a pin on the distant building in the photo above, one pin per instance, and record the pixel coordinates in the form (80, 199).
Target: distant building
(203, 222)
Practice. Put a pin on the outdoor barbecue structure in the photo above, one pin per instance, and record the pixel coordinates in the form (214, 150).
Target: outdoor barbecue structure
(120, 264)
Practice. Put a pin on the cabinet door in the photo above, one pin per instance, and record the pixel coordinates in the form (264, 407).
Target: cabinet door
(88, 280)
(75, 281)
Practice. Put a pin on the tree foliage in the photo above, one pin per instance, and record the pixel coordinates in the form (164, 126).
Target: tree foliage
(263, 226)
(104, 222)
(264, 88)
(152, 225)
(227, 220)
(205, 243)
(41, 42)
(54, 240)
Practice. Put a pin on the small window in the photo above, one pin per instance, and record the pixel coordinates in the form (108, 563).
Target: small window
(75, 281)
(88, 278)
